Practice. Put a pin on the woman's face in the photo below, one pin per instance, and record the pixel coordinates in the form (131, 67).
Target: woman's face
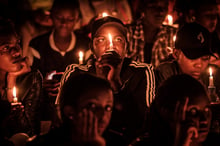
(199, 114)
(10, 55)
(64, 21)
(101, 42)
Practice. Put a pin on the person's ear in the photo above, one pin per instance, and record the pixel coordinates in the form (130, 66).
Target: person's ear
(176, 53)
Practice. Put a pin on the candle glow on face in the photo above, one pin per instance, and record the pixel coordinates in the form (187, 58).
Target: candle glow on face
(170, 19)
(15, 99)
(110, 40)
(81, 57)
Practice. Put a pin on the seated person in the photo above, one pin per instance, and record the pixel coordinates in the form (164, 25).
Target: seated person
(180, 115)
(133, 83)
(15, 72)
(86, 103)
(191, 53)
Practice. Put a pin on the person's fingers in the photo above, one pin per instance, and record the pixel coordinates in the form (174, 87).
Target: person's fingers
(84, 123)
(185, 108)
(90, 124)
(192, 133)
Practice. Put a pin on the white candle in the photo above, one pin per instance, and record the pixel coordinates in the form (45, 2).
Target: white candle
(170, 19)
(15, 99)
(210, 77)
(81, 57)
(110, 40)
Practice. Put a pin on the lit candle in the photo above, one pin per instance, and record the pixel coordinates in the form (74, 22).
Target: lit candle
(81, 57)
(170, 20)
(210, 77)
(104, 14)
(174, 38)
(110, 40)
(15, 99)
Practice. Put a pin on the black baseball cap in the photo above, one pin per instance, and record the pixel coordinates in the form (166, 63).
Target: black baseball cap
(193, 40)
(100, 22)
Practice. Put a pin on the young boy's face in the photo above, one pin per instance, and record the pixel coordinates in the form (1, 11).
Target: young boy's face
(64, 21)
(192, 67)
(101, 42)
(10, 54)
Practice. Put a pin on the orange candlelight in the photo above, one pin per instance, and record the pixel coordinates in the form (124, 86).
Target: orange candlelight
(81, 57)
(110, 40)
(210, 77)
(15, 99)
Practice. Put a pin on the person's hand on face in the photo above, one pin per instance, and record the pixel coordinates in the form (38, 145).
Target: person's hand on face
(186, 131)
(24, 67)
(87, 128)
(109, 47)
(109, 65)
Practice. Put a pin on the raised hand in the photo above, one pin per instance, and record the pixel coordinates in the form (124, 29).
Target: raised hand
(109, 66)
(186, 131)
(87, 128)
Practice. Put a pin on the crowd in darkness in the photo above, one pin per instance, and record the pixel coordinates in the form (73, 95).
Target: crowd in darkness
(109, 72)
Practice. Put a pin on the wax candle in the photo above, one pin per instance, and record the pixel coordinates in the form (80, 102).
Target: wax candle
(110, 42)
(210, 77)
(15, 99)
(81, 57)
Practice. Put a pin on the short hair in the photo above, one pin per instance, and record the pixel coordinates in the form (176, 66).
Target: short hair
(72, 90)
(7, 29)
(65, 4)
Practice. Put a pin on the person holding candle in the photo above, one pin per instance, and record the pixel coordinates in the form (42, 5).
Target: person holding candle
(86, 103)
(180, 115)
(54, 50)
(149, 38)
(133, 83)
(16, 73)
(192, 53)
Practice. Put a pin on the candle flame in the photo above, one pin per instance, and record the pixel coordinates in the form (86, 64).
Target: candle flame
(104, 14)
(170, 19)
(81, 57)
(81, 54)
(14, 92)
(210, 71)
(110, 40)
(174, 38)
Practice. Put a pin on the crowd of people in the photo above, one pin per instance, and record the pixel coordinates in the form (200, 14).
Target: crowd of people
(126, 73)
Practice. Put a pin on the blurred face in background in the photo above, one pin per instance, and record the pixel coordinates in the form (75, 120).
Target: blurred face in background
(64, 21)
(207, 16)
(155, 12)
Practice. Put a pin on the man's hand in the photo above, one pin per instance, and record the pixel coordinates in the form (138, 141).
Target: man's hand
(109, 66)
